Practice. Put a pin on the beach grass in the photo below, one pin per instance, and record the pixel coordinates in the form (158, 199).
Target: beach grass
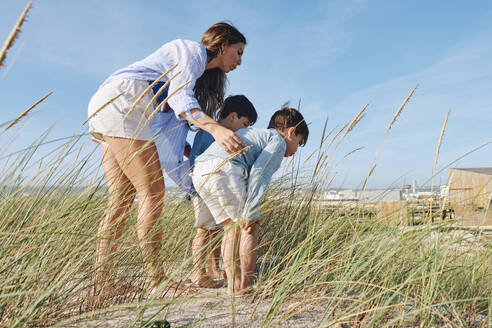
(345, 261)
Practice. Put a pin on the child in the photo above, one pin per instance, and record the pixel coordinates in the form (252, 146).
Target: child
(232, 188)
(237, 113)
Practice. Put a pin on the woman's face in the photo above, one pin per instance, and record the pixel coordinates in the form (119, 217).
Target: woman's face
(230, 57)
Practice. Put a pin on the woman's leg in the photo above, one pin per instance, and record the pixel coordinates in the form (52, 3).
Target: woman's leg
(139, 162)
(121, 196)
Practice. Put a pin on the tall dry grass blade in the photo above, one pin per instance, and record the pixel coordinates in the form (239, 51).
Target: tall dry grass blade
(317, 167)
(436, 156)
(398, 112)
(17, 52)
(346, 129)
(354, 122)
(367, 179)
(157, 95)
(440, 137)
(13, 34)
(323, 139)
(151, 117)
(336, 135)
(159, 92)
(353, 151)
(228, 158)
(26, 111)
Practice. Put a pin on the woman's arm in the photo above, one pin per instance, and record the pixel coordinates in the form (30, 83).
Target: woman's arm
(223, 136)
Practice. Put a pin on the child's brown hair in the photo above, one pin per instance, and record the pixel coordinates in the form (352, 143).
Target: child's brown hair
(288, 117)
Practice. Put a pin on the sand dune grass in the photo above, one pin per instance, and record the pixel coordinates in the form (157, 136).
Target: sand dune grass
(343, 259)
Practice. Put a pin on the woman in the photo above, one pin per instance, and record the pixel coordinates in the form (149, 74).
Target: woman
(121, 114)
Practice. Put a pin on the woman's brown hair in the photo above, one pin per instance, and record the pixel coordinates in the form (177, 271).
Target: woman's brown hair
(210, 87)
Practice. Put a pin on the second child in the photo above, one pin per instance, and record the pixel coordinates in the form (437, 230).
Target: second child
(237, 113)
(232, 188)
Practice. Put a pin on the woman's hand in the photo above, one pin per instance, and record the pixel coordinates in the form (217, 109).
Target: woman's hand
(223, 136)
(227, 139)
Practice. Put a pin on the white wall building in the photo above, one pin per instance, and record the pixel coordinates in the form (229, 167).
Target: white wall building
(371, 195)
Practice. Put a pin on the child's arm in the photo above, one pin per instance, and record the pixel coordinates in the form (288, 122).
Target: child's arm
(267, 163)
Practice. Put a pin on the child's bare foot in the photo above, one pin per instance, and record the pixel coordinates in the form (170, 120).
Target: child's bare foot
(217, 274)
(237, 287)
(239, 293)
(206, 282)
(244, 292)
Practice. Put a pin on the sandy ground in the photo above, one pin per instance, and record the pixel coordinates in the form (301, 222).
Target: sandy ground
(208, 308)
(212, 308)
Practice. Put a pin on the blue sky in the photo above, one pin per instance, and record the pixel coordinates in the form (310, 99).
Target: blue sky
(335, 56)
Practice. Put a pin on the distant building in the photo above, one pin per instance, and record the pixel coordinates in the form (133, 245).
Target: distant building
(369, 195)
(406, 193)
(417, 193)
(380, 195)
(470, 190)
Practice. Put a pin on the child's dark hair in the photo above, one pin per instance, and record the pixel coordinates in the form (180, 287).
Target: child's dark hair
(288, 117)
(241, 105)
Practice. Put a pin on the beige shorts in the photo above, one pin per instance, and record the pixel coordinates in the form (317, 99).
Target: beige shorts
(203, 218)
(111, 120)
(223, 191)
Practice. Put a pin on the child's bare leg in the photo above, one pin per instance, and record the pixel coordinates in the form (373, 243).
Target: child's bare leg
(199, 250)
(214, 270)
(229, 246)
(248, 253)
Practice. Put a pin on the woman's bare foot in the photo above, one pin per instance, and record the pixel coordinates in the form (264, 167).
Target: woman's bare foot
(169, 288)
(110, 290)
(237, 287)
